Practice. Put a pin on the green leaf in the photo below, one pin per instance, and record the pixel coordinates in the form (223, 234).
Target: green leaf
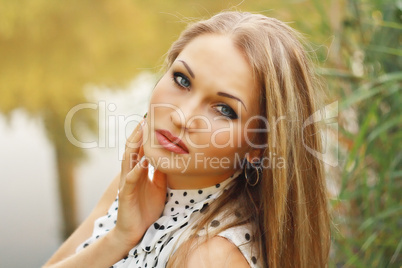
(371, 88)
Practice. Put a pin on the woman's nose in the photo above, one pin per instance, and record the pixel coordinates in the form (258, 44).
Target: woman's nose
(187, 116)
(178, 118)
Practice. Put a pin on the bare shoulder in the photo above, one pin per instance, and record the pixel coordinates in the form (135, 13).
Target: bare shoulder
(217, 252)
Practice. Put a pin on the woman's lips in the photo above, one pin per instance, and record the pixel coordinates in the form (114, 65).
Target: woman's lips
(170, 142)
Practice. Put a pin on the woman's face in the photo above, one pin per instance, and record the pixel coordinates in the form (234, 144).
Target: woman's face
(207, 99)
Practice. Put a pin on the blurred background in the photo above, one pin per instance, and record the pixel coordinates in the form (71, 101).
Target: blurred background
(107, 55)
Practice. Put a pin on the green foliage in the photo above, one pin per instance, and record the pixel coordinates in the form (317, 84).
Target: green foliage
(367, 76)
(50, 50)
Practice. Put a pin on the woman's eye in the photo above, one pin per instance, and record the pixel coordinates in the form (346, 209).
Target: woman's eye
(181, 80)
(225, 110)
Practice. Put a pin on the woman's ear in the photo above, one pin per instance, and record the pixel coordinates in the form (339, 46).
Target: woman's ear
(254, 155)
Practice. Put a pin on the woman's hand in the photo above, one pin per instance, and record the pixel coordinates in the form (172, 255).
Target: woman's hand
(141, 201)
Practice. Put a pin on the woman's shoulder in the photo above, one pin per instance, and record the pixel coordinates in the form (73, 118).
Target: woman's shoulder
(242, 237)
(238, 240)
(217, 252)
(232, 247)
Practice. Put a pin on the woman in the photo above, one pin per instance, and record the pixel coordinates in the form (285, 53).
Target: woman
(234, 185)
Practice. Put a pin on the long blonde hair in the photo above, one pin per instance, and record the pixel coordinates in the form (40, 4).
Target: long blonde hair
(288, 207)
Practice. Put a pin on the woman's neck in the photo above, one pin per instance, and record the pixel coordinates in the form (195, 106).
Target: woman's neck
(195, 181)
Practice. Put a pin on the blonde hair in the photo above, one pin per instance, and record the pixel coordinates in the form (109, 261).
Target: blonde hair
(288, 208)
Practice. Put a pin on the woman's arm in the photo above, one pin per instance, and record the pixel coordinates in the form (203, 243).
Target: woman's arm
(104, 252)
(85, 230)
(116, 243)
(135, 214)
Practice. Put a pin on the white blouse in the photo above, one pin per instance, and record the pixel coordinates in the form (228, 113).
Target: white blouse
(167, 233)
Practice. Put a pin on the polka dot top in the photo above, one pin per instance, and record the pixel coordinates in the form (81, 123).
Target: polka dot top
(166, 234)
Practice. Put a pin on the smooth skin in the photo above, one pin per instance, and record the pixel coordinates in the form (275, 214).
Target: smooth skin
(134, 183)
(208, 99)
(136, 214)
(201, 97)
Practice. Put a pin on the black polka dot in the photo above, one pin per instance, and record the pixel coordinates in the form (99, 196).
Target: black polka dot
(147, 248)
(204, 207)
(97, 237)
(192, 201)
(162, 227)
(209, 196)
(100, 225)
(170, 226)
(116, 208)
(170, 239)
(184, 225)
(247, 236)
(185, 193)
(187, 206)
(115, 222)
(254, 259)
(218, 185)
(175, 218)
(171, 194)
(156, 225)
(200, 191)
(215, 223)
(176, 202)
(85, 245)
(146, 264)
(172, 209)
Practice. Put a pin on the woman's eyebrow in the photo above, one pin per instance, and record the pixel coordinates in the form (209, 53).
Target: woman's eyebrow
(232, 97)
(188, 68)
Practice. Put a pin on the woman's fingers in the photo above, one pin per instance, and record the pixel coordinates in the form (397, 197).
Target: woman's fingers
(133, 144)
(133, 176)
(140, 171)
